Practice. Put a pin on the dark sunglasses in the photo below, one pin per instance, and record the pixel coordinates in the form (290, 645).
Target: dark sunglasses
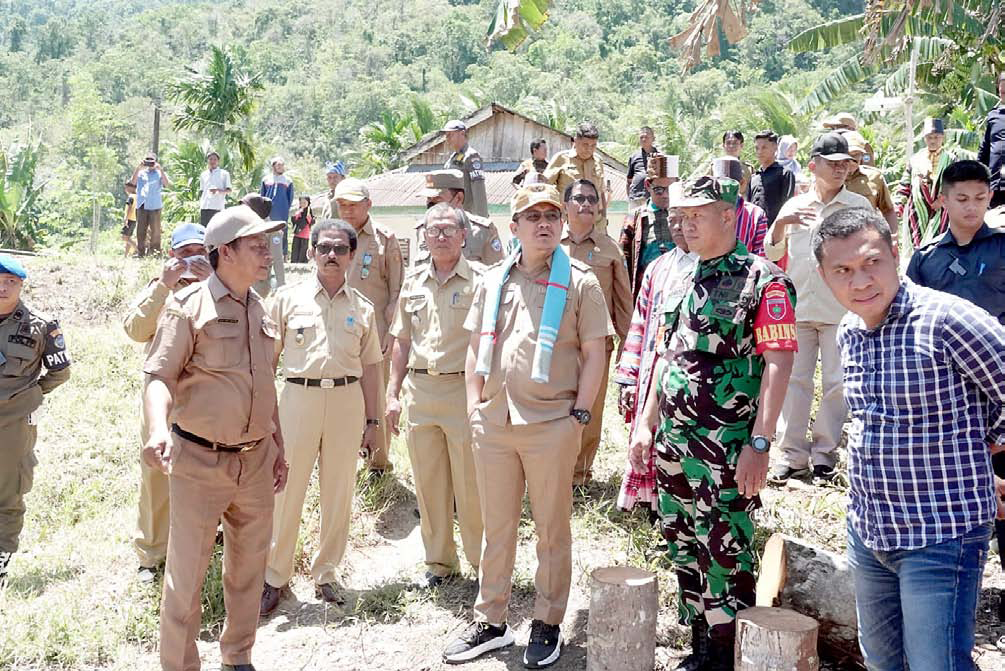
(582, 199)
(659, 190)
(324, 249)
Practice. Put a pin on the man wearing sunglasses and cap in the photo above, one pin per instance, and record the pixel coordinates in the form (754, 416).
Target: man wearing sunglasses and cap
(29, 343)
(187, 264)
(328, 408)
(466, 158)
(646, 233)
(210, 404)
(481, 242)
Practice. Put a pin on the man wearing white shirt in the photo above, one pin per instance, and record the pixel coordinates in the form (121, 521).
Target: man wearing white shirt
(817, 315)
(214, 185)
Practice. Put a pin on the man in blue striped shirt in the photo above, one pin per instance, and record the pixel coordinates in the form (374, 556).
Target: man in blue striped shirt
(922, 370)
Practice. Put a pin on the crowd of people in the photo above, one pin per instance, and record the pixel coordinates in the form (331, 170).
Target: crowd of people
(718, 300)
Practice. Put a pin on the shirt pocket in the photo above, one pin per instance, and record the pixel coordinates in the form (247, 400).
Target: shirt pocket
(221, 345)
(460, 305)
(20, 359)
(415, 309)
(350, 334)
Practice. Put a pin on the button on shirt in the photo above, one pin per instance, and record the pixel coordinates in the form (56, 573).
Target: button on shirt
(218, 350)
(509, 393)
(975, 271)
(148, 190)
(917, 389)
(816, 302)
(599, 251)
(431, 316)
(324, 336)
(213, 179)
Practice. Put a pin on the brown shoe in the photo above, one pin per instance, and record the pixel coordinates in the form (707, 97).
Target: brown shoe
(330, 593)
(271, 596)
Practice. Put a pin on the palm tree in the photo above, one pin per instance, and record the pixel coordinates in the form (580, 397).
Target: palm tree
(384, 140)
(19, 196)
(218, 99)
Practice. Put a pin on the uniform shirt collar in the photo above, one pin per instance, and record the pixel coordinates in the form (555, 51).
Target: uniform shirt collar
(567, 235)
(319, 288)
(728, 263)
(217, 289)
(462, 269)
(840, 197)
(949, 240)
(367, 227)
(19, 311)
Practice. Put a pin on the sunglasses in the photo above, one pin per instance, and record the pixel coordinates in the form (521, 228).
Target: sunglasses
(435, 232)
(582, 199)
(324, 249)
(659, 190)
(551, 216)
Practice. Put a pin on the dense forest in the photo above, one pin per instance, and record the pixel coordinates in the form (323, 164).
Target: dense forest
(321, 80)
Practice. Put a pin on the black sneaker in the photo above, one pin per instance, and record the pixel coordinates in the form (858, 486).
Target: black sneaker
(823, 473)
(477, 639)
(544, 646)
(781, 473)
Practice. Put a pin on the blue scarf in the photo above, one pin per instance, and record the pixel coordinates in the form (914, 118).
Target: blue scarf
(551, 316)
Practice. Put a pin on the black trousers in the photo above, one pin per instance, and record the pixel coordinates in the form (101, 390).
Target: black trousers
(205, 216)
(997, 198)
(299, 253)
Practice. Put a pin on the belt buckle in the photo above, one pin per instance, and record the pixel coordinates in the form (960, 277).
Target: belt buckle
(327, 383)
(434, 373)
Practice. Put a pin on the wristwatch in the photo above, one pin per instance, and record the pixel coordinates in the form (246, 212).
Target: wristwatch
(373, 422)
(760, 444)
(582, 416)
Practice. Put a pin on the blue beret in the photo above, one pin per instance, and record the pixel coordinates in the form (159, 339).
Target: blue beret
(11, 266)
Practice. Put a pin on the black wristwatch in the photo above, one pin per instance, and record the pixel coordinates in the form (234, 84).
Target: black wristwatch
(373, 422)
(582, 416)
(760, 444)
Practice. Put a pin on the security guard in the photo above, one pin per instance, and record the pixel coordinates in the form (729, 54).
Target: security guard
(186, 264)
(332, 360)
(481, 242)
(210, 404)
(377, 270)
(535, 359)
(466, 158)
(28, 342)
(729, 338)
(583, 241)
(580, 162)
(430, 346)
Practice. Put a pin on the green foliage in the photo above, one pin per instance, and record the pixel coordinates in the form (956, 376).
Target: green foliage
(19, 195)
(514, 19)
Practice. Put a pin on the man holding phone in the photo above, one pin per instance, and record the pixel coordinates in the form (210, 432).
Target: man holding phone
(149, 179)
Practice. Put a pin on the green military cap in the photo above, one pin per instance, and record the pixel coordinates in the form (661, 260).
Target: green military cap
(705, 190)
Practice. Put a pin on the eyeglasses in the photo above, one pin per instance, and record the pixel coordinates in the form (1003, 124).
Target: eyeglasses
(659, 190)
(551, 216)
(435, 232)
(582, 199)
(324, 249)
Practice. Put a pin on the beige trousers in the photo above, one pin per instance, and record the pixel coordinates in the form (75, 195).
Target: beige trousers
(380, 459)
(323, 426)
(542, 456)
(439, 446)
(592, 432)
(205, 487)
(153, 517)
(814, 338)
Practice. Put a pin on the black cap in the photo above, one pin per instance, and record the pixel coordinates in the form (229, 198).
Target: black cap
(831, 146)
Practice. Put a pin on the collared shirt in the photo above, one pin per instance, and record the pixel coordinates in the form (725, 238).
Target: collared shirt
(324, 336)
(140, 322)
(769, 188)
(510, 396)
(992, 150)
(217, 349)
(213, 179)
(599, 251)
(751, 226)
(917, 388)
(469, 162)
(816, 302)
(431, 316)
(565, 168)
(975, 271)
(869, 183)
(637, 164)
(148, 190)
(377, 269)
(30, 342)
(482, 243)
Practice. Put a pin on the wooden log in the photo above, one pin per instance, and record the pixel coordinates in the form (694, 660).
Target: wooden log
(817, 583)
(775, 639)
(621, 631)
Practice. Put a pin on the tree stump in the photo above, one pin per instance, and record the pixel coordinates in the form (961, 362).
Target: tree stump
(775, 639)
(621, 631)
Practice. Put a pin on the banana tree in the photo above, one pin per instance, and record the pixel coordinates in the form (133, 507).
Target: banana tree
(19, 196)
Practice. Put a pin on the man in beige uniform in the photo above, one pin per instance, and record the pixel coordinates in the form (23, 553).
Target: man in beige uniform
(28, 342)
(584, 241)
(187, 264)
(210, 404)
(481, 241)
(377, 271)
(580, 162)
(868, 181)
(527, 433)
(430, 345)
(327, 331)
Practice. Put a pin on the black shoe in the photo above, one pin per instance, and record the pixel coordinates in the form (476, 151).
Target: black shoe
(477, 639)
(720, 656)
(823, 473)
(781, 474)
(237, 667)
(271, 596)
(544, 646)
(699, 647)
(329, 592)
(431, 580)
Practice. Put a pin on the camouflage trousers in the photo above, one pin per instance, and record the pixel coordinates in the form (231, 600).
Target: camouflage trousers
(709, 532)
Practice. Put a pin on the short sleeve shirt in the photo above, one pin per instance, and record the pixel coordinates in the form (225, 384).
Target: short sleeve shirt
(377, 269)
(28, 342)
(509, 393)
(213, 179)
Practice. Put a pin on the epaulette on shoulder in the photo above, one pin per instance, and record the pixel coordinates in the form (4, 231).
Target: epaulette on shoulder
(183, 294)
(484, 222)
(359, 296)
(579, 265)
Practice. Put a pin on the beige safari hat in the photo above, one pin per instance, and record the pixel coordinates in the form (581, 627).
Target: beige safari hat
(352, 189)
(533, 194)
(236, 222)
(437, 180)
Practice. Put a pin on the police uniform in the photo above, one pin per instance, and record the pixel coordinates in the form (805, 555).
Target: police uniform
(430, 316)
(29, 343)
(376, 272)
(566, 167)
(603, 256)
(327, 341)
(216, 350)
(469, 162)
(715, 329)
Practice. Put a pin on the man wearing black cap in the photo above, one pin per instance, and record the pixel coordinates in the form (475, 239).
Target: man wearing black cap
(817, 314)
(992, 149)
(465, 158)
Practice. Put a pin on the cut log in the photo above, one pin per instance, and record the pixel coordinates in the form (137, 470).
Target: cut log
(817, 583)
(775, 639)
(621, 631)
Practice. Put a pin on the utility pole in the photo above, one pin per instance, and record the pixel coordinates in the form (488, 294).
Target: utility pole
(157, 131)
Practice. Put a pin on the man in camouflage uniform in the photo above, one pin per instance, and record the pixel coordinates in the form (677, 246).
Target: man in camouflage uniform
(466, 158)
(729, 339)
(482, 243)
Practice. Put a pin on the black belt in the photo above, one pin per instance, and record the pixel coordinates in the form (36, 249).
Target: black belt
(435, 373)
(209, 444)
(324, 383)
